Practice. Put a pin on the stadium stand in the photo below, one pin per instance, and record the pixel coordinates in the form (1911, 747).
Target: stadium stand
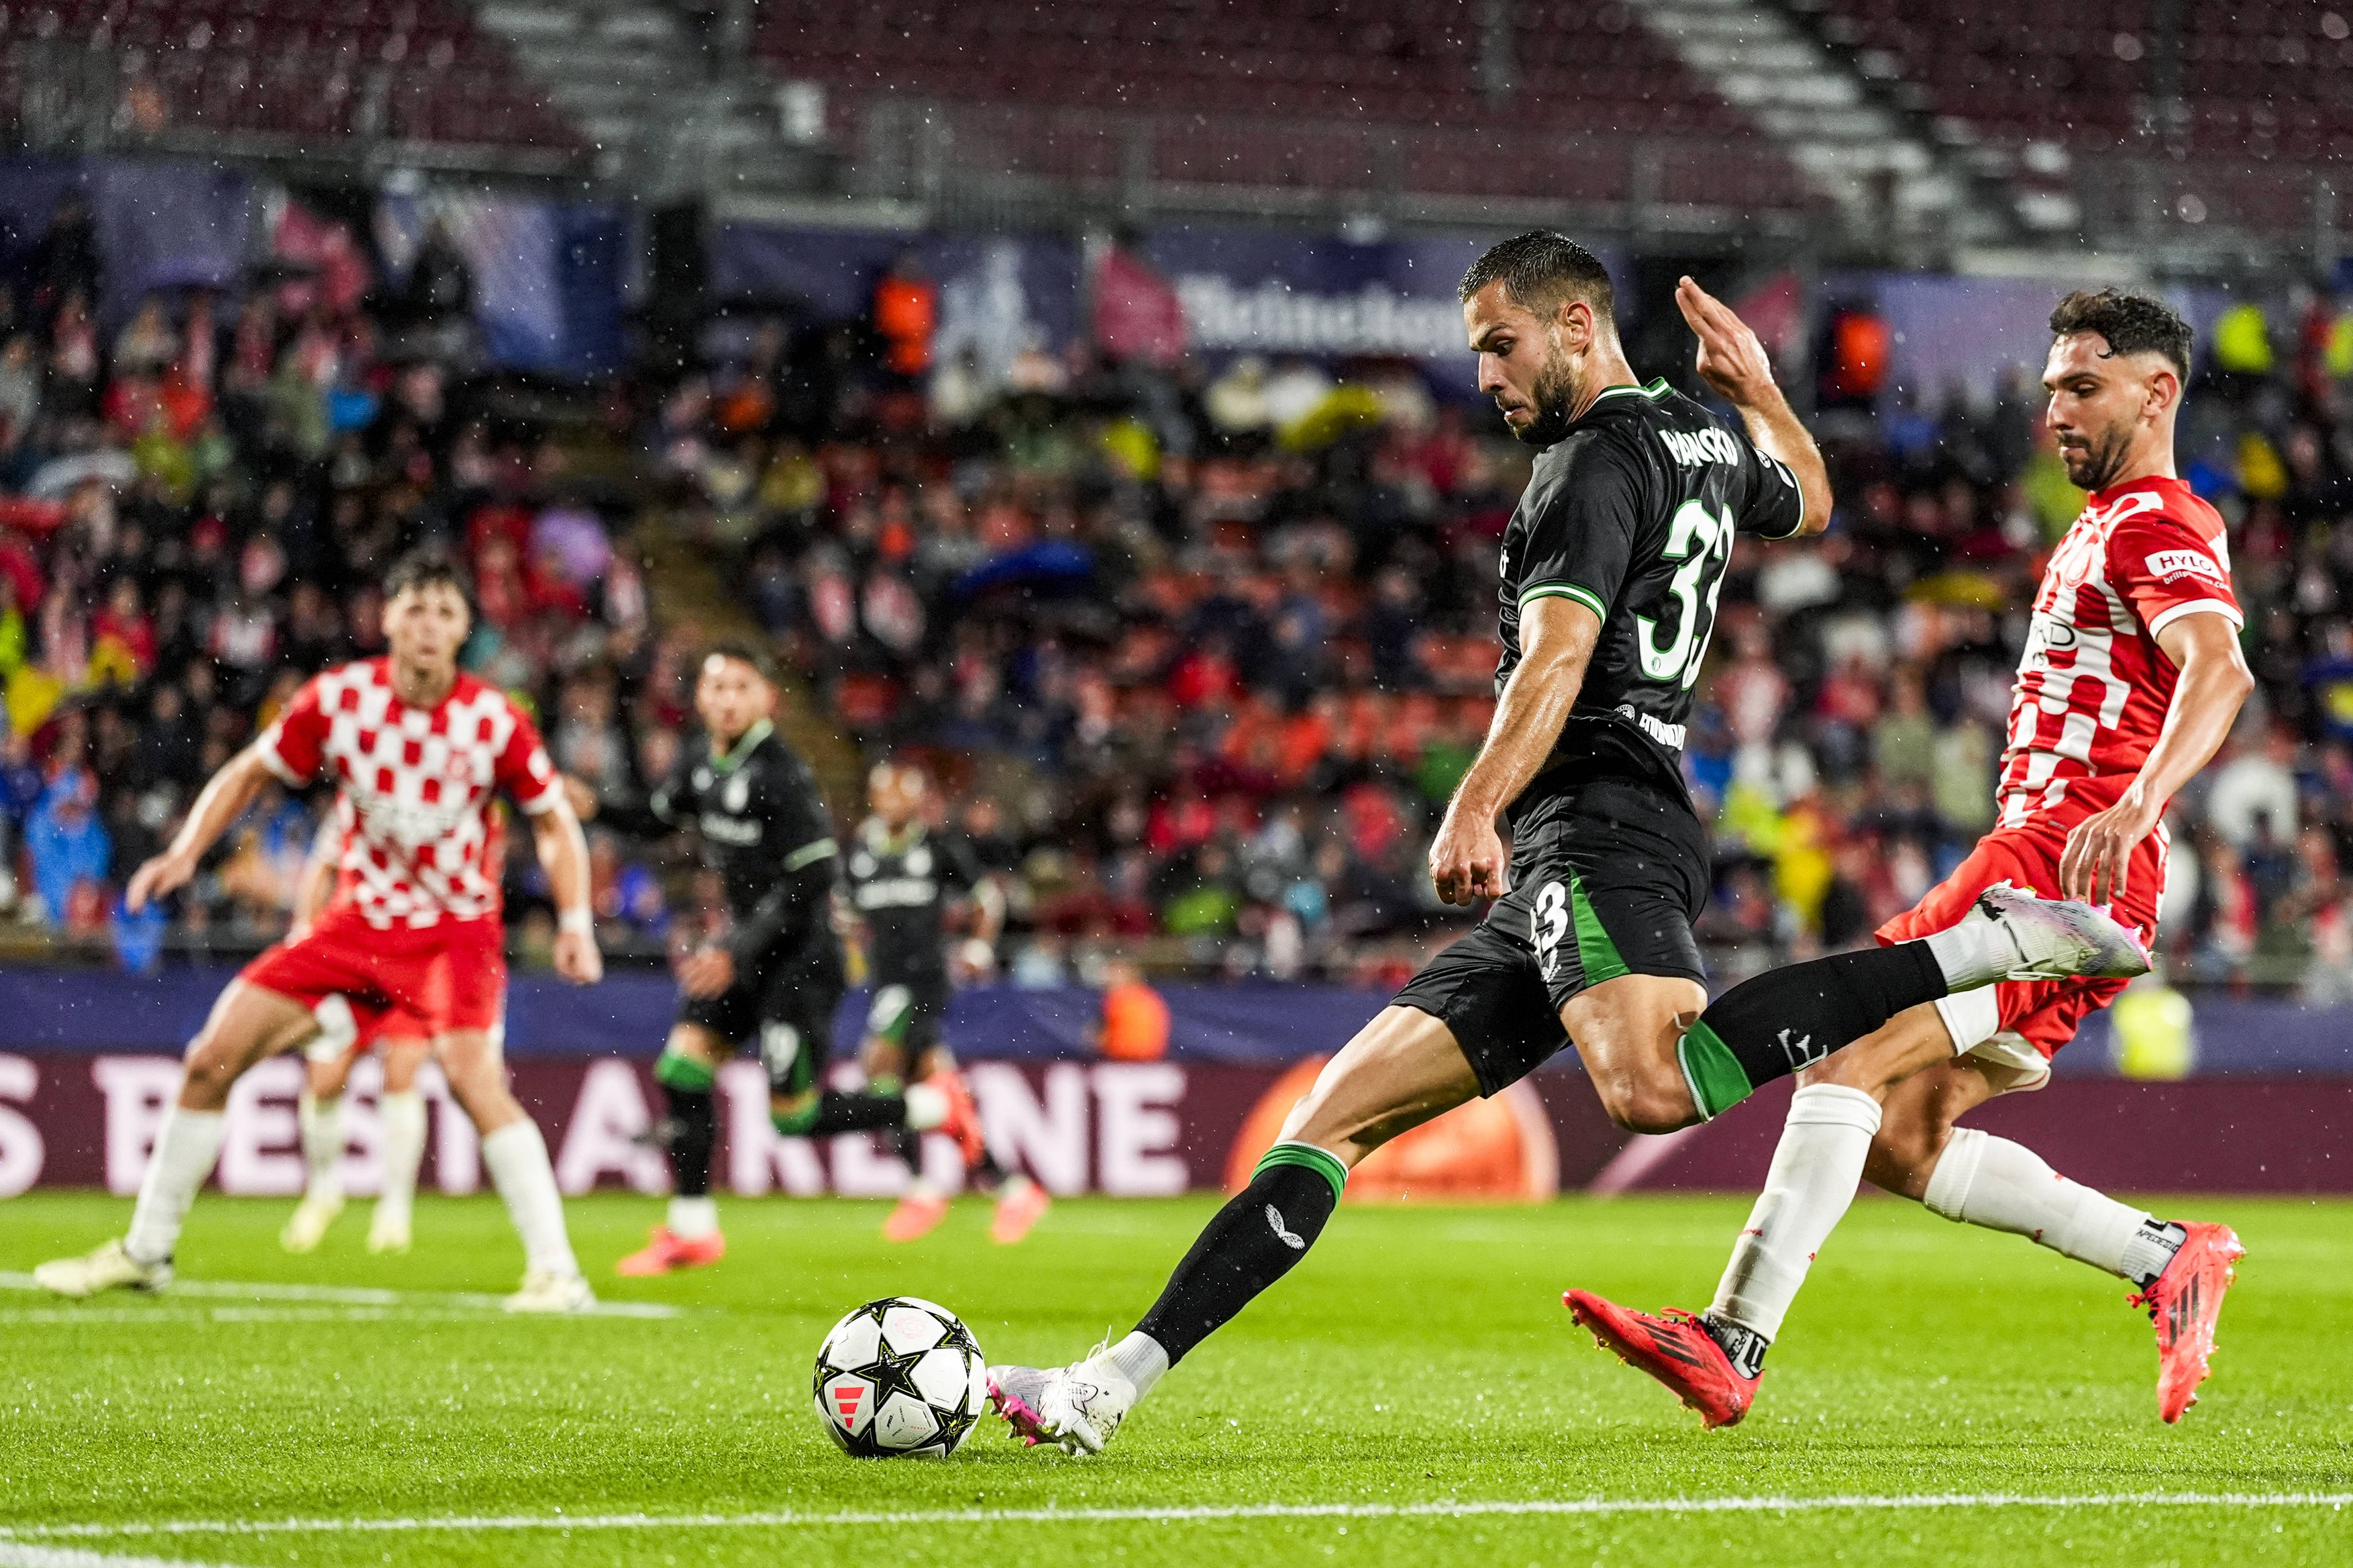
(1205, 654)
(197, 506)
(281, 74)
(1372, 96)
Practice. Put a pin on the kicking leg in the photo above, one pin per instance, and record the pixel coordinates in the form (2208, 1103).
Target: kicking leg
(2182, 1268)
(247, 1024)
(319, 1113)
(689, 1236)
(517, 1157)
(1401, 1070)
(402, 1108)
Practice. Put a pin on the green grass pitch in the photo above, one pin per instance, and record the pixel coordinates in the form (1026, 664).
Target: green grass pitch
(1417, 1362)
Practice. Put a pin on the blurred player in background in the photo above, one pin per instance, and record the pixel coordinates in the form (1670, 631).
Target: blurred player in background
(2131, 679)
(904, 879)
(403, 1039)
(419, 751)
(774, 976)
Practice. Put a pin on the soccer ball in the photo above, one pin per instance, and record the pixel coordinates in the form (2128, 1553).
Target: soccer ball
(901, 1377)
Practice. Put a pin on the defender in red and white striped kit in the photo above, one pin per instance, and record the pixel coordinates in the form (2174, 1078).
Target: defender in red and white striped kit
(420, 752)
(2130, 680)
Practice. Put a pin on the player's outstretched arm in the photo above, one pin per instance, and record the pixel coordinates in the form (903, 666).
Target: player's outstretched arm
(1557, 635)
(223, 799)
(1733, 362)
(563, 851)
(2214, 681)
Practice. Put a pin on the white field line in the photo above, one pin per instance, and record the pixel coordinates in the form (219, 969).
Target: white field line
(358, 1296)
(66, 1557)
(1180, 1514)
(36, 1315)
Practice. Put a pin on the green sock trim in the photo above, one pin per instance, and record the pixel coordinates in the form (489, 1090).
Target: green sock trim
(681, 1072)
(794, 1123)
(1595, 950)
(885, 1083)
(1715, 1076)
(1321, 1162)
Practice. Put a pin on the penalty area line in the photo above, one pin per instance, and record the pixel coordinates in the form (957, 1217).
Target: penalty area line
(360, 1296)
(1183, 1514)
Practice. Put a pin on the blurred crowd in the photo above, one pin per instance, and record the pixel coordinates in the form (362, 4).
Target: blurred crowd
(1200, 650)
(196, 501)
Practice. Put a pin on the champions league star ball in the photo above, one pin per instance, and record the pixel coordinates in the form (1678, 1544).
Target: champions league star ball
(900, 1377)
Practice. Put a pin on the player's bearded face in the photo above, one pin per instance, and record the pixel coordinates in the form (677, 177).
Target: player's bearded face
(2098, 413)
(1552, 394)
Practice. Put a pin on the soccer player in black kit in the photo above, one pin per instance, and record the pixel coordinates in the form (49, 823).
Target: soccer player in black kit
(902, 876)
(1610, 568)
(776, 975)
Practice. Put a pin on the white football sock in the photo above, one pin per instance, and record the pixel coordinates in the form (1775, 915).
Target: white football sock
(1973, 954)
(403, 1152)
(322, 1122)
(517, 1157)
(1140, 1360)
(186, 1147)
(927, 1107)
(692, 1219)
(1816, 1168)
(1983, 1180)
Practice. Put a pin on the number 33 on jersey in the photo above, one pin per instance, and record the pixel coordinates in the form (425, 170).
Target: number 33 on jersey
(1631, 514)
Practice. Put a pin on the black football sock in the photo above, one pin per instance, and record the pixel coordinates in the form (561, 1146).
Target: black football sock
(985, 1174)
(909, 1147)
(693, 1129)
(1743, 1347)
(1252, 1243)
(1788, 1020)
(838, 1112)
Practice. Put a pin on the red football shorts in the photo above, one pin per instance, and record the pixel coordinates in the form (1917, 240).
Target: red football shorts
(398, 982)
(2044, 1014)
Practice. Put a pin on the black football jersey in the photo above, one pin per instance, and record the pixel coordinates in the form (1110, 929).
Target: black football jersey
(762, 827)
(1633, 515)
(901, 883)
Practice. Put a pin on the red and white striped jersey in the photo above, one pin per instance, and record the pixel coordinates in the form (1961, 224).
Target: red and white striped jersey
(419, 786)
(2093, 687)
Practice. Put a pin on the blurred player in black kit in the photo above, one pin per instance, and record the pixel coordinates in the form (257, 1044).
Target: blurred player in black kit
(903, 877)
(776, 975)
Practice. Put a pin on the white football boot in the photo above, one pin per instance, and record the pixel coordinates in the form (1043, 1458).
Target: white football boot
(543, 1291)
(313, 1216)
(387, 1232)
(108, 1268)
(1076, 1408)
(2058, 939)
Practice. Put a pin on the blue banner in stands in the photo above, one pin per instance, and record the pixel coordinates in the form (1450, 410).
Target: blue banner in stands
(999, 294)
(1251, 291)
(160, 226)
(546, 276)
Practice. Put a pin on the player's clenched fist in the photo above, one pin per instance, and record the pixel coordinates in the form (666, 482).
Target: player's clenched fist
(1466, 860)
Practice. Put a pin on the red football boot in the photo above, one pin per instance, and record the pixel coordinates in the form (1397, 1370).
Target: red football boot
(916, 1216)
(2184, 1302)
(665, 1251)
(963, 1122)
(1672, 1347)
(1020, 1205)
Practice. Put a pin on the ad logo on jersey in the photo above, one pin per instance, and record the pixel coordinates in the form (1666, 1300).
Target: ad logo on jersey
(1697, 449)
(2168, 564)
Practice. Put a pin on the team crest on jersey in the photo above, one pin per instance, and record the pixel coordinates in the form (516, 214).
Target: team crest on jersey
(738, 790)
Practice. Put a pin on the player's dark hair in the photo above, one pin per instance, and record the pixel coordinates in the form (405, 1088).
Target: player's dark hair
(427, 566)
(1539, 270)
(742, 653)
(2131, 323)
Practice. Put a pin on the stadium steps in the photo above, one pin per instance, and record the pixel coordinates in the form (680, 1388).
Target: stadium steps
(1842, 118)
(637, 81)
